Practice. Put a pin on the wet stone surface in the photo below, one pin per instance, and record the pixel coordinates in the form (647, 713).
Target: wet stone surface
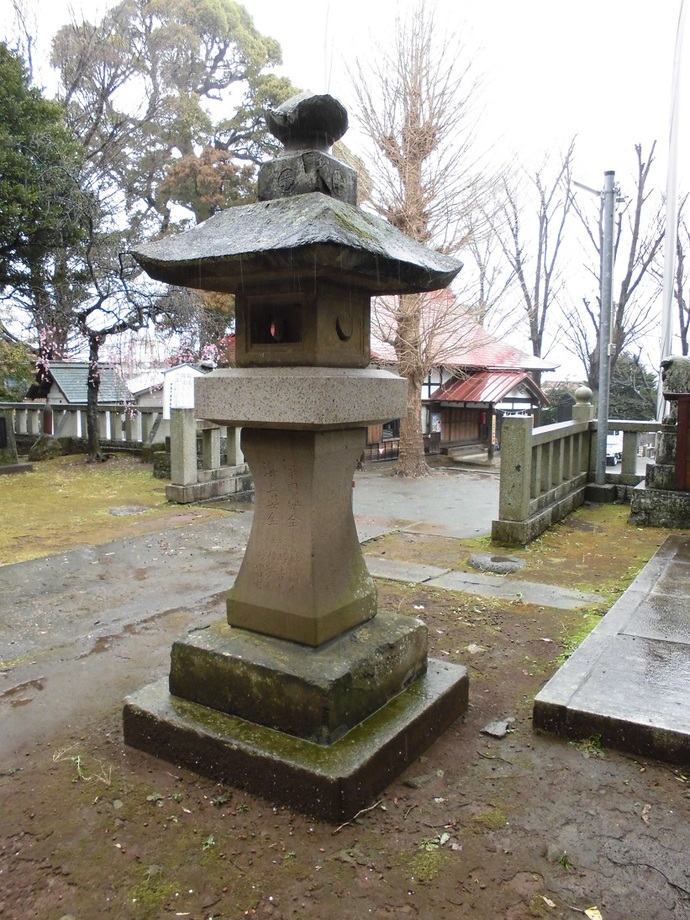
(125, 510)
(499, 565)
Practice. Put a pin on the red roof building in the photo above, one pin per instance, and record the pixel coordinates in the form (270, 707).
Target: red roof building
(476, 380)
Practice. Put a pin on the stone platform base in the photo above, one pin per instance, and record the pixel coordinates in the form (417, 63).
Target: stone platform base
(660, 508)
(317, 694)
(224, 482)
(628, 683)
(331, 782)
(600, 494)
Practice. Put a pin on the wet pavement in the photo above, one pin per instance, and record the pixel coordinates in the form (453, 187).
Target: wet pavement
(481, 585)
(627, 684)
(133, 597)
(89, 592)
(452, 503)
(58, 613)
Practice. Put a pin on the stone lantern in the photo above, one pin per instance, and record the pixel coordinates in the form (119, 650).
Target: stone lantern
(304, 693)
(663, 500)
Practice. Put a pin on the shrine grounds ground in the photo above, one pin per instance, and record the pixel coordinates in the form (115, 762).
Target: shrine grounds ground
(516, 827)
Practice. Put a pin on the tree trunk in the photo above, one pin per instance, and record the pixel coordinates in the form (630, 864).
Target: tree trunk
(93, 384)
(411, 461)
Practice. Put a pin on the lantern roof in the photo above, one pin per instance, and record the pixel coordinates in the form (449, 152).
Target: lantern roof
(311, 234)
(306, 223)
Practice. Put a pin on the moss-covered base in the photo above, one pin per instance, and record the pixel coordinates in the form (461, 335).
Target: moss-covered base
(314, 693)
(330, 782)
(660, 508)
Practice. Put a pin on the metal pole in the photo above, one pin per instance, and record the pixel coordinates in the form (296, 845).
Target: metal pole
(671, 232)
(605, 326)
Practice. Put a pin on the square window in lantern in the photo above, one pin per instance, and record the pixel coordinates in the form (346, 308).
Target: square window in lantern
(275, 323)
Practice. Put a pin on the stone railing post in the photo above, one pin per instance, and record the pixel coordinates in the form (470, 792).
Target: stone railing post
(146, 424)
(210, 448)
(233, 452)
(516, 472)
(583, 411)
(629, 461)
(133, 426)
(115, 426)
(183, 467)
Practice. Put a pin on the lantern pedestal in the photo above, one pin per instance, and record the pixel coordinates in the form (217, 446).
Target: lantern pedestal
(332, 782)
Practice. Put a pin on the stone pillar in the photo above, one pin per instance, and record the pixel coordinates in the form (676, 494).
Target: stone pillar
(8, 444)
(583, 410)
(210, 448)
(183, 467)
(304, 536)
(516, 463)
(234, 455)
(116, 426)
(557, 463)
(146, 425)
(629, 462)
(132, 426)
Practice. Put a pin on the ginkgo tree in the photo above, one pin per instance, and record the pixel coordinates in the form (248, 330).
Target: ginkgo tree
(415, 103)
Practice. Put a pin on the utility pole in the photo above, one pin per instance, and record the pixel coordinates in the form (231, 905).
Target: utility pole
(606, 295)
(670, 235)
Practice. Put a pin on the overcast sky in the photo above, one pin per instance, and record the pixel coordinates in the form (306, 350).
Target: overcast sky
(597, 70)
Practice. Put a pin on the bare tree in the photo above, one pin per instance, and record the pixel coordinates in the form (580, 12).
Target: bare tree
(24, 27)
(415, 104)
(487, 279)
(638, 238)
(444, 326)
(530, 225)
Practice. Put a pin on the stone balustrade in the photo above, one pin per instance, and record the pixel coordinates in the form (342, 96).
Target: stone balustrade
(547, 472)
(191, 482)
(144, 426)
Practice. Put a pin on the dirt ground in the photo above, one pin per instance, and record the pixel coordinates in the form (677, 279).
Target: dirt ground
(519, 827)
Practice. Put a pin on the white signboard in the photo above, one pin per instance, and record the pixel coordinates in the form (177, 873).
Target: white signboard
(178, 390)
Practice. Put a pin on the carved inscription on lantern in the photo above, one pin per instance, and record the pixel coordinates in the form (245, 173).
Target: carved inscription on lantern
(281, 493)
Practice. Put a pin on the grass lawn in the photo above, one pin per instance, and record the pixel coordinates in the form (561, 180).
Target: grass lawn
(65, 503)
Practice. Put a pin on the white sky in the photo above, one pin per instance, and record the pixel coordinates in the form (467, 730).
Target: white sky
(600, 70)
